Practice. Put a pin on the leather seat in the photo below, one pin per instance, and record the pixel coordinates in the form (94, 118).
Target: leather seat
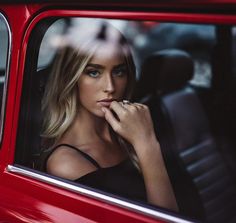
(202, 180)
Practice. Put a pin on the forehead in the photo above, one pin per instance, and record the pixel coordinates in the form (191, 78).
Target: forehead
(108, 53)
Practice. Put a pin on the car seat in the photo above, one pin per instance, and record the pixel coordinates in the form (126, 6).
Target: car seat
(202, 180)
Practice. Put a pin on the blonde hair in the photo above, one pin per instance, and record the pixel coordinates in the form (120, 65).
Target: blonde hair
(59, 104)
(60, 100)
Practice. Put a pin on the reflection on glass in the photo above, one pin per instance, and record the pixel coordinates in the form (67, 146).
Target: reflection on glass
(95, 135)
(98, 132)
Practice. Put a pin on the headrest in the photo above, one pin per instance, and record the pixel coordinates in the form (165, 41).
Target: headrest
(166, 71)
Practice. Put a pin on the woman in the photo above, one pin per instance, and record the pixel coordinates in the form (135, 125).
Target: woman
(98, 137)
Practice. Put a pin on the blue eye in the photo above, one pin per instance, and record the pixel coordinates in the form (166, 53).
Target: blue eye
(93, 73)
(119, 72)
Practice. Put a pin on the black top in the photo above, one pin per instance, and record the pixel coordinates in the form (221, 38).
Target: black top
(122, 179)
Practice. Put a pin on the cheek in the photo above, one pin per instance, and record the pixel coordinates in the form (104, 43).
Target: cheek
(87, 89)
(122, 85)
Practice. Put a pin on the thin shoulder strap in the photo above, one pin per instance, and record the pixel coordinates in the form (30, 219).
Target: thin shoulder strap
(85, 155)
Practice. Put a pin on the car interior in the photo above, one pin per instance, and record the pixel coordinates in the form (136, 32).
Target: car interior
(201, 177)
(194, 123)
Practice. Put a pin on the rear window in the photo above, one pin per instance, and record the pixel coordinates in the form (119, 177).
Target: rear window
(4, 49)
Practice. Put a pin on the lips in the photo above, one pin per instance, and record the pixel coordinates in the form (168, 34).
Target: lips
(106, 102)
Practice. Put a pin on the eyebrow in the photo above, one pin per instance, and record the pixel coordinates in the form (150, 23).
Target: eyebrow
(120, 65)
(98, 66)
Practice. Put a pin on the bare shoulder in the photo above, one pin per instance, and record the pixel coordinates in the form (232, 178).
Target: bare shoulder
(68, 163)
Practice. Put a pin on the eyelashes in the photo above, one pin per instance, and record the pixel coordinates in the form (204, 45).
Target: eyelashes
(119, 72)
(92, 73)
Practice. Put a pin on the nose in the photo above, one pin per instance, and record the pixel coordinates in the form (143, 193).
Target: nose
(109, 86)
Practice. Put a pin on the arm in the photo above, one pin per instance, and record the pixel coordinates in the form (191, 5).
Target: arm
(135, 125)
(158, 186)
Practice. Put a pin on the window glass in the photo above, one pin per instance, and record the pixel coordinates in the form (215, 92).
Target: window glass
(99, 71)
(4, 45)
(47, 49)
(234, 48)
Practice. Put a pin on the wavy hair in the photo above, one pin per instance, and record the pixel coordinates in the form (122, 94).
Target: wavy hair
(60, 100)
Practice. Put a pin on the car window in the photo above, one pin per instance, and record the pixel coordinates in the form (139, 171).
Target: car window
(233, 48)
(4, 48)
(180, 75)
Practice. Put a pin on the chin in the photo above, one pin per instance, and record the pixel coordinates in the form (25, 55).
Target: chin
(99, 114)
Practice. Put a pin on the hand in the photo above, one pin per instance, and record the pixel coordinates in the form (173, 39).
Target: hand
(134, 121)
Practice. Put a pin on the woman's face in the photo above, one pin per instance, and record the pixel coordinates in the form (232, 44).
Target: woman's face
(103, 80)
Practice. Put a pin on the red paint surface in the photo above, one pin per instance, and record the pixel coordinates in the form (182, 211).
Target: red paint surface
(27, 200)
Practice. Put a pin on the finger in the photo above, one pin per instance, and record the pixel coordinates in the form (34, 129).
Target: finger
(122, 104)
(110, 118)
(139, 104)
(129, 106)
(142, 106)
(118, 108)
(126, 106)
(133, 106)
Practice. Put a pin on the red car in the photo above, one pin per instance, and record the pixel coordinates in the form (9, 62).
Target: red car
(185, 53)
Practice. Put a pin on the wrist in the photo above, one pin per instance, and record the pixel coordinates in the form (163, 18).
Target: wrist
(146, 146)
(146, 140)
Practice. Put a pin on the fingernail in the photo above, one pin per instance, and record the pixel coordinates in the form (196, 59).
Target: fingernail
(103, 109)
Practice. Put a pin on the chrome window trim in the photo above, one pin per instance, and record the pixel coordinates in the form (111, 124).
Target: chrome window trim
(8, 56)
(102, 197)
